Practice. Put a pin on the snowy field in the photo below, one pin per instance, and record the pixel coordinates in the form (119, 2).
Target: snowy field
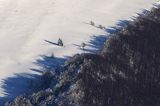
(29, 29)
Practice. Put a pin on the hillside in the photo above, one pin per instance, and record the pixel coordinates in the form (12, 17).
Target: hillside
(30, 29)
(125, 73)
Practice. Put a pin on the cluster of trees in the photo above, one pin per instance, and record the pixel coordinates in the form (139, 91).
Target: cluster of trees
(99, 26)
(127, 72)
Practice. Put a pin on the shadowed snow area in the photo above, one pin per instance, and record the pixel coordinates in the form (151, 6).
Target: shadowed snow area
(30, 28)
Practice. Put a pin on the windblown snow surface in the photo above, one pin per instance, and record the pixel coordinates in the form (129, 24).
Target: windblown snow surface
(26, 24)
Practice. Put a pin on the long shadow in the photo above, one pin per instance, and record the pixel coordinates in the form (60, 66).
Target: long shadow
(114, 29)
(96, 42)
(50, 63)
(51, 42)
(17, 85)
(25, 83)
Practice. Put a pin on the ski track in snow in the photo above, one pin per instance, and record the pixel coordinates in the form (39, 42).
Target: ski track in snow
(25, 24)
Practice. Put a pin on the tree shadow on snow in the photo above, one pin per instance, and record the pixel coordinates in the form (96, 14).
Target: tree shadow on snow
(22, 84)
(96, 42)
(17, 85)
(51, 42)
(50, 63)
(94, 45)
(114, 29)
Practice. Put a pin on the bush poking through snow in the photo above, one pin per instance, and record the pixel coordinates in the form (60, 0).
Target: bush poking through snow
(60, 42)
(83, 45)
(101, 27)
(52, 55)
(92, 23)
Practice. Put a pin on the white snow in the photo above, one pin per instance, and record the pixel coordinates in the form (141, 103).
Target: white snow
(25, 24)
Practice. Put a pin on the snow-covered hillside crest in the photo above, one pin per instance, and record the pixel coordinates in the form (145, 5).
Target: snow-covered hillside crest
(124, 73)
(26, 25)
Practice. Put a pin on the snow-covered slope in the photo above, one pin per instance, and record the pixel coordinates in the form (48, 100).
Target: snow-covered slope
(25, 24)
